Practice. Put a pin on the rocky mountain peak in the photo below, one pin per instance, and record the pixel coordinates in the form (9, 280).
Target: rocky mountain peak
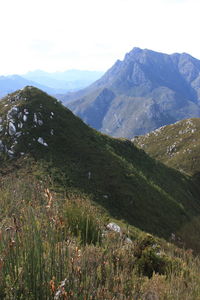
(134, 54)
(26, 121)
(151, 89)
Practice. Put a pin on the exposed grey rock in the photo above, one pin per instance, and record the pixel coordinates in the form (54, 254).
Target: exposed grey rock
(26, 112)
(128, 241)
(24, 118)
(18, 134)
(10, 153)
(42, 142)
(20, 125)
(1, 146)
(113, 227)
(12, 113)
(40, 122)
(35, 118)
(141, 93)
(11, 128)
(19, 115)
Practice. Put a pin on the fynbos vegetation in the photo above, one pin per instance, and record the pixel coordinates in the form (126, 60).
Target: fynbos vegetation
(74, 205)
(48, 252)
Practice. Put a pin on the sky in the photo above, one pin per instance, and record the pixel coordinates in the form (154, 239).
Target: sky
(57, 35)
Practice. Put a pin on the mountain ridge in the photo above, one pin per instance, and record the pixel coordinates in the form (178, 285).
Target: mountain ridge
(118, 176)
(56, 83)
(67, 80)
(10, 83)
(177, 145)
(74, 207)
(151, 89)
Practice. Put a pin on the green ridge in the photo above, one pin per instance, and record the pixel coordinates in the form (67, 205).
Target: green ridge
(114, 173)
(176, 145)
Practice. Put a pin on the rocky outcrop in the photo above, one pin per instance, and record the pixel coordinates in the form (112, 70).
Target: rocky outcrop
(141, 93)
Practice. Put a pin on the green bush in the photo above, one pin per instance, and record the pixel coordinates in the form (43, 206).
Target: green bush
(151, 262)
(82, 221)
(149, 259)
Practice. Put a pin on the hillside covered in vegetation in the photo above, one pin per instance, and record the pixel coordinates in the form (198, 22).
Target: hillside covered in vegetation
(74, 207)
(177, 145)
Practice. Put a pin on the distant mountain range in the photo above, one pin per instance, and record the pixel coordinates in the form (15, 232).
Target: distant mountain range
(10, 83)
(69, 80)
(53, 83)
(141, 93)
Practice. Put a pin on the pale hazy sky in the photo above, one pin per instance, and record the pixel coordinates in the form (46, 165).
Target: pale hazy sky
(92, 34)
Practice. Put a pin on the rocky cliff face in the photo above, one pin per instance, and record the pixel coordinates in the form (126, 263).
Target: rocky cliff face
(149, 90)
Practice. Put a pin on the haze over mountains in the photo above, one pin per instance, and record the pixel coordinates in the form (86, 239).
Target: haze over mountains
(9, 84)
(52, 83)
(67, 80)
(137, 95)
(141, 93)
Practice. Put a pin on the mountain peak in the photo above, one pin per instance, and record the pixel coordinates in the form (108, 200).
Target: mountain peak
(26, 121)
(135, 54)
(136, 50)
(28, 93)
(151, 89)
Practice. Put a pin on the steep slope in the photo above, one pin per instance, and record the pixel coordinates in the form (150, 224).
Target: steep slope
(40, 136)
(58, 243)
(57, 247)
(149, 90)
(176, 145)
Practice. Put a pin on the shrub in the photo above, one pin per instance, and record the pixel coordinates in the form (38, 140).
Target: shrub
(149, 258)
(82, 221)
(151, 262)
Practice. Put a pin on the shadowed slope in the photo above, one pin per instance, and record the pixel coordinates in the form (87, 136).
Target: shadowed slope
(38, 132)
